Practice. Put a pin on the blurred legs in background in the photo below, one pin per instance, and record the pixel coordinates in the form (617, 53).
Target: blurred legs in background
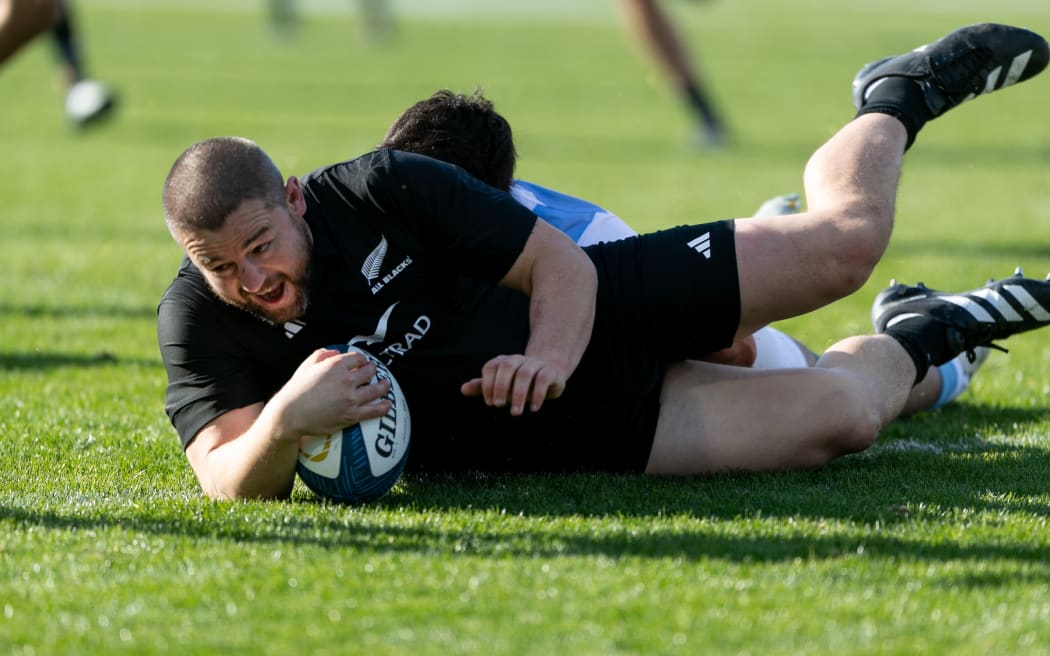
(651, 27)
(376, 18)
(21, 21)
(87, 100)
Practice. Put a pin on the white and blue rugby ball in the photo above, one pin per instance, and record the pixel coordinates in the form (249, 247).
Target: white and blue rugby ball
(362, 462)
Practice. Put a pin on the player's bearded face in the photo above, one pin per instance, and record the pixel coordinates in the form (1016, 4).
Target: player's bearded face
(258, 261)
(284, 295)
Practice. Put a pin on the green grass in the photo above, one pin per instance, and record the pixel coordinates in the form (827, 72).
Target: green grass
(936, 540)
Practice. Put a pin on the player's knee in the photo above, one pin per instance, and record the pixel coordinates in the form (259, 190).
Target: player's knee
(852, 263)
(860, 435)
(854, 423)
(860, 427)
(850, 273)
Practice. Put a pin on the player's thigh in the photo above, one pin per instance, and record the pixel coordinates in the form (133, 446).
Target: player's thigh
(788, 266)
(27, 18)
(716, 418)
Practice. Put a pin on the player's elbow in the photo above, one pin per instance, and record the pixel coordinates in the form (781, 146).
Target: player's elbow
(217, 491)
(219, 481)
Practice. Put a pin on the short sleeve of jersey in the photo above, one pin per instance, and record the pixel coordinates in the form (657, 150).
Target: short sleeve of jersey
(206, 371)
(471, 227)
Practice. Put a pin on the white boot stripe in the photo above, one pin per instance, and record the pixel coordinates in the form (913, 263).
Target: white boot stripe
(970, 306)
(1017, 67)
(1031, 305)
(993, 77)
(901, 317)
(999, 303)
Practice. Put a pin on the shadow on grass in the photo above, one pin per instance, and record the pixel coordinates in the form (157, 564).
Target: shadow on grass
(34, 360)
(897, 503)
(78, 312)
(729, 541)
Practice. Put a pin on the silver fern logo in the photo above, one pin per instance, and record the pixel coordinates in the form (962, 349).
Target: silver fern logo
(374, 262)
(372, 269)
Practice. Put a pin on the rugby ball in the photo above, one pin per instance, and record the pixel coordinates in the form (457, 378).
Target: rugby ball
(362, 462)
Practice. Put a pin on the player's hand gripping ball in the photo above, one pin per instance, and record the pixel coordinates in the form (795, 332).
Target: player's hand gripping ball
(362, 462)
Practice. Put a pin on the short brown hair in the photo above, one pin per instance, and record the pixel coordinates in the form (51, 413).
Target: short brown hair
(213, 177)
(459, 129)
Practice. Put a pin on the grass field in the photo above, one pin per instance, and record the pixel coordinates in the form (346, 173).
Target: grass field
(935, 541)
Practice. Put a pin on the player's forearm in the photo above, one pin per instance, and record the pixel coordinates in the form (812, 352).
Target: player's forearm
(244, 470)
(257, 463)
(561, 311)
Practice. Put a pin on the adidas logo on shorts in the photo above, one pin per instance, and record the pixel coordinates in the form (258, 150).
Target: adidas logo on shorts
(702, 245)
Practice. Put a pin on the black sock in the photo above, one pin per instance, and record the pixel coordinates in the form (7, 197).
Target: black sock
(702, 106)
(927, 343)
(65, 43)
(902, 98)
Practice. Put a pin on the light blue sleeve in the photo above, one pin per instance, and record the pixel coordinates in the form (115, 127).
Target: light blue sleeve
(583, 221)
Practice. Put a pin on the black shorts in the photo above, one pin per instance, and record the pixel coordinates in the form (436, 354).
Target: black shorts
(663, 297)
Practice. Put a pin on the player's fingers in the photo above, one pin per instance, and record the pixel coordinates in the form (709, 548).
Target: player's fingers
(524, 383)
(471, 387)
(354, 360)
(548, 384)
(488, 379)
(364, 399)
(372, 410)
(499, 379)
(360, 374)
(367, 393)
(320, 355)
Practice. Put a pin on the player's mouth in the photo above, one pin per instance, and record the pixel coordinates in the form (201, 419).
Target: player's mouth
(272, 295)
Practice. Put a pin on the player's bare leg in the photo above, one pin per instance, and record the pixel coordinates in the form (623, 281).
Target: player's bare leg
(22, 20)
(788, 268)
(716, 418)
(654, 31)
(720, 418)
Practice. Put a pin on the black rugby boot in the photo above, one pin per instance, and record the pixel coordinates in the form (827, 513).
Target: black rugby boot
(962, 65)
(971, 319)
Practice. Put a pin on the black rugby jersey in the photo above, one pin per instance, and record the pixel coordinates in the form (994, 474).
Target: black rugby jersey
(406, 255)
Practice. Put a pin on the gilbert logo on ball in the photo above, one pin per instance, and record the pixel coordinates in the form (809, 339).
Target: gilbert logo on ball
(361, 462)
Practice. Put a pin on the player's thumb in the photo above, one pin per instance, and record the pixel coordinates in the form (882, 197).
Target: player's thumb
(471, 388)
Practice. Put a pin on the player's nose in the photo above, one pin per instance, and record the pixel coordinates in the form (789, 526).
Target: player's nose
(252, 277)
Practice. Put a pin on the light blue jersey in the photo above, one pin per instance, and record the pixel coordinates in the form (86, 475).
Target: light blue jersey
(584, 221)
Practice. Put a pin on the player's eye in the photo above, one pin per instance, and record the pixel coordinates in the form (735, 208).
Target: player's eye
(263, 247)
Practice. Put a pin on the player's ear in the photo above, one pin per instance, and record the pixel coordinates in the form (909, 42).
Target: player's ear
(293, 194)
